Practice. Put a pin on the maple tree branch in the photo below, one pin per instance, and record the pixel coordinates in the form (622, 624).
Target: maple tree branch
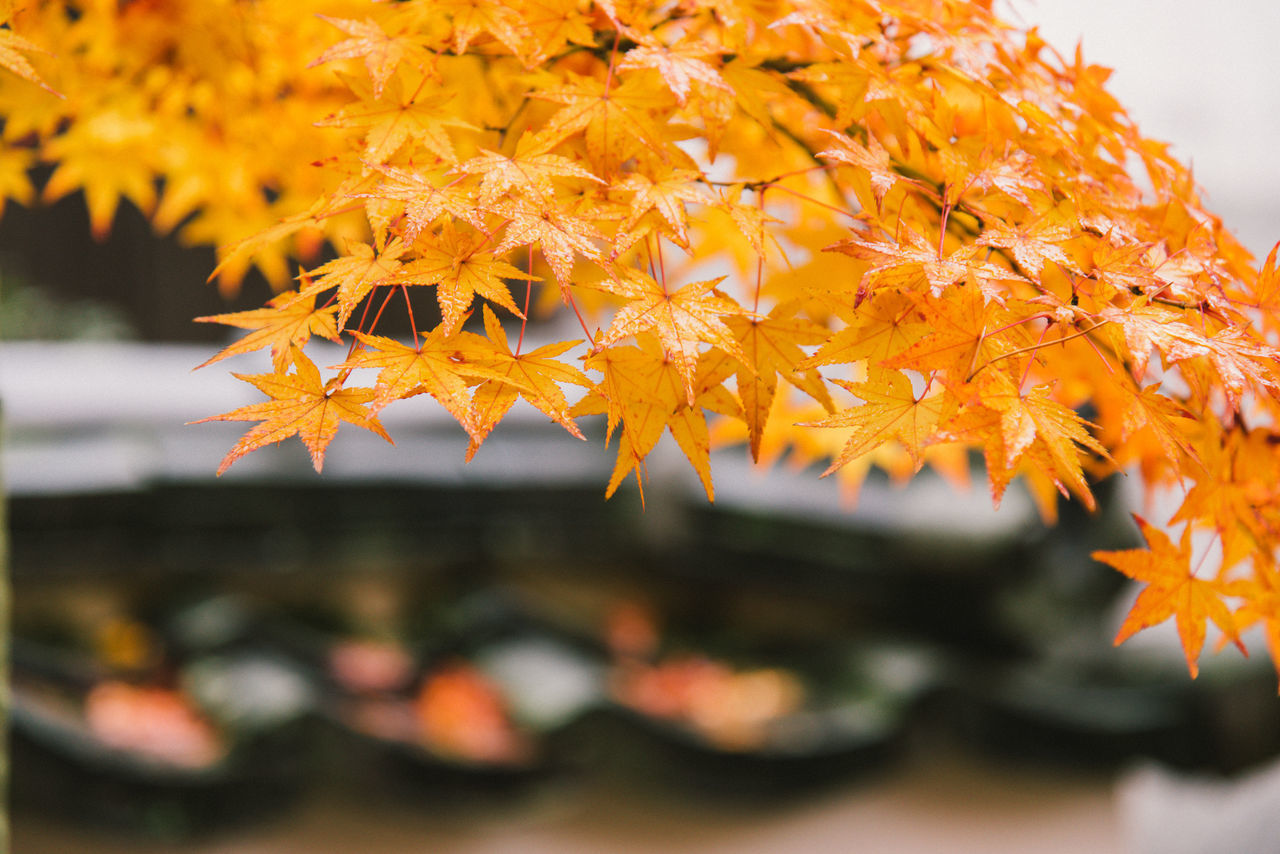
(1033, 347)
(1027, 370)
(810, 199)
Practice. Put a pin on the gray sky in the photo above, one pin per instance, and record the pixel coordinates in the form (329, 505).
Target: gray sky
(1197, 77)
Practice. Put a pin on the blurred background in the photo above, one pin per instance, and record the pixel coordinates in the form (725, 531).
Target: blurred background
(409, 653)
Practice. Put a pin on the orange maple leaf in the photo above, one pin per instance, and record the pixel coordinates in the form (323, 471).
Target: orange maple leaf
(1033, 245)
(1266, 290)
(398, 118)
(381, 53)
(683, 320)
(561, 237)
(529, 170)
(891, 410)
(473, 17)
(300, 405)
(533, 376)
(356, 274)
(667, 195)
(872, 159)
(642, 390)
(771, 346)
(436, 366)
(454, 263)
(618, 121)
(1172, 591)
(881, 328)
(1262, 604)
(288, 321)
(911, 262)
(680, 66)
(424, 201)
(11, 45)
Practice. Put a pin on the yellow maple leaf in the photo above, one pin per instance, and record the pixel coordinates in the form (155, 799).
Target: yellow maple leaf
(1172, 591)
(683, 319)
(288, 321)
(382, 54)
(891, 409)
(535, 376)
(460, 271)
(300, 405)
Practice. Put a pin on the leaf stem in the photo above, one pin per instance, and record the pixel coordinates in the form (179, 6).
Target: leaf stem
(528, 291)
(413, 326)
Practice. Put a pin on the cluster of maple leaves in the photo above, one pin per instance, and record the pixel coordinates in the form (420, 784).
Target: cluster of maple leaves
(869, 232)
(201, 114)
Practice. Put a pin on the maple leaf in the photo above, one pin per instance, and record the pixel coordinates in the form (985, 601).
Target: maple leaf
(1266, 290)
(287, 322)
(1014, 423)
(871, 158)
(561, 236)
(399, 117)
(473, 17)
(454, 263)
(533, 376)
(642, 390)
(234, 260)
(529, 170)
(617, 122)
(424, 201)
(883, 327)
(554, 27)
(1234, 491)
(1262, 604)
(1013, 174)
(682, 320)
(93, 156)
(356, 274)
(891, 410)
(751, 220)
(679, 66)
(667, 196)
(300, 405)
(771, 346)
(1148, 328)
(1172, 591)
(12, 47)
(1032, 246)
(1167, 420)
(956, 338)
(1240, 359)
(437, 366)
(381, 53)
(848, 81)
(1237, 357)
(910, 261)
